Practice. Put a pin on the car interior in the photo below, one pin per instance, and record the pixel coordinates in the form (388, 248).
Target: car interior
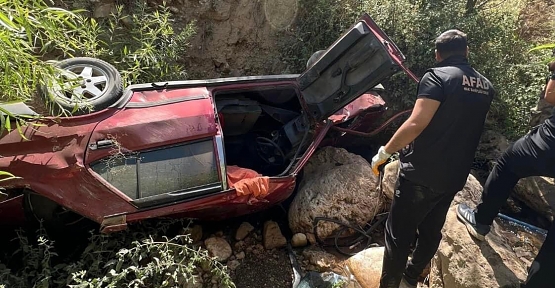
(263, 127)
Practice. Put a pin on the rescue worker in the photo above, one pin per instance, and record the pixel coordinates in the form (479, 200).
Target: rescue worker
(438, 143)
(531, 155)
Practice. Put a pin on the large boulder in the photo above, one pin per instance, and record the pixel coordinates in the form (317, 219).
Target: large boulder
(462, 261)
(338, 185)
(537, 193)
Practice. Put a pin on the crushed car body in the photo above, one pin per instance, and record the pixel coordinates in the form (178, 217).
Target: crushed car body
(200, 149)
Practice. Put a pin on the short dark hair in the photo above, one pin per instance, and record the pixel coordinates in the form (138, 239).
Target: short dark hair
(451, 42)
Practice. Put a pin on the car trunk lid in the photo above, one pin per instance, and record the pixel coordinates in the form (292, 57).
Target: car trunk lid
(359, 60)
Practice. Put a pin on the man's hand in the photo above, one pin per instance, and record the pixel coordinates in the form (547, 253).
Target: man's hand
(379, 159)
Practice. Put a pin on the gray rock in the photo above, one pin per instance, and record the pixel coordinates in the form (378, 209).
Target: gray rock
(366, 266)
(244, 229)
(492, 145)
(272, 236)
(299, 240)
(195, 232)
(462, 261)
(537, 193)
(240, 255)
(320, 259)
(218, 247)
(336, 184)
(232, 265)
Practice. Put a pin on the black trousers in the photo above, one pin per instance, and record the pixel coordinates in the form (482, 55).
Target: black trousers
(531, 155)
(414, 207)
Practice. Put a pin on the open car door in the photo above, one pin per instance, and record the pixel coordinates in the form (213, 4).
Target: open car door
(359, 60)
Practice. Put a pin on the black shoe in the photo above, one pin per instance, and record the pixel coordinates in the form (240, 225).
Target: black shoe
(467, 216)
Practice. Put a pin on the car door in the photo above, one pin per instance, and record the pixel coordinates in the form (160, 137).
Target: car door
(356, 62)
(161, 147)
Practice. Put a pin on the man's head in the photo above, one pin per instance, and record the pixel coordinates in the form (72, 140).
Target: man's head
(450, 43)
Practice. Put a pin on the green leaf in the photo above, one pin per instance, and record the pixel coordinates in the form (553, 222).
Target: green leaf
(6, 22)
(20, 130)
(542, 47)
(8, 124)
(5, 176)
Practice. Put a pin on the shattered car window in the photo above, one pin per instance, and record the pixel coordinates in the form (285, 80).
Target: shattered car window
(177, 168)
(161, 171)
(119, 171)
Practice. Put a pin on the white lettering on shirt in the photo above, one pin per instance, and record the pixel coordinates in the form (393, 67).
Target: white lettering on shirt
(475, 84)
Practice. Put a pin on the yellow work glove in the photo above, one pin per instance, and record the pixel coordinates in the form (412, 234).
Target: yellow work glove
(379, 159)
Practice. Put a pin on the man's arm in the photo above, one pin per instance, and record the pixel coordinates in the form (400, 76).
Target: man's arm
(550, 91)
(422, 113)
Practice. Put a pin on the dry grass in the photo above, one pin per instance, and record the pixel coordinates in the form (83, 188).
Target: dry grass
(537, 20)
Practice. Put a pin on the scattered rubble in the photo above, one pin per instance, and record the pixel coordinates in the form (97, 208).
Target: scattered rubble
(243, 231)
(299, 240)
(195, 232)
(218, 247)
(316, 259)
(272, 236)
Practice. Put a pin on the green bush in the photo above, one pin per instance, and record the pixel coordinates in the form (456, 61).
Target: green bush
(27, 30)
(496, 49)
(318, 24)
(139, 257)
(140, 42)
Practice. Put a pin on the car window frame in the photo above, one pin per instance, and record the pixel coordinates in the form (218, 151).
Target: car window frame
(171, 196)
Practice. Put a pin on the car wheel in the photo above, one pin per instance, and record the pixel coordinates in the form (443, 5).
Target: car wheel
(53, 216)
(88, 85)
(68, 230)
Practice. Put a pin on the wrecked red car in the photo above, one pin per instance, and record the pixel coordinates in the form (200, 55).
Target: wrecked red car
(201, 149)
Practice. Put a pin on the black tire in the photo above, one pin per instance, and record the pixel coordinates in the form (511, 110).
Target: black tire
(39, 208)
(94, 96)
(67, 229)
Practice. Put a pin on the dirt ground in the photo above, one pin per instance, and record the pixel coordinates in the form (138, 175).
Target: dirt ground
(234, 38)
(272, 270)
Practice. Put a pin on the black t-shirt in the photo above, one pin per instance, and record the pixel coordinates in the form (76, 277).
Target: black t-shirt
(441, 156)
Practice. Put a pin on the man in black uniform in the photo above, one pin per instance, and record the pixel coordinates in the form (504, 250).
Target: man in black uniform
(443, 132)
(531, 155)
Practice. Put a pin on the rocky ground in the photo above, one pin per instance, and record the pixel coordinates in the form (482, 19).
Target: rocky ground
(255, 247)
